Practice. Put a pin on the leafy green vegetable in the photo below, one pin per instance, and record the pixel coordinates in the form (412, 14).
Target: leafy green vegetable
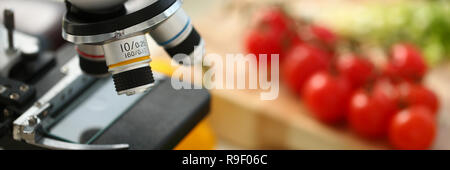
(425, 23)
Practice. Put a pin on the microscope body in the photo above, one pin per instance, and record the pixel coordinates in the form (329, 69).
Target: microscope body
(119, 28)
(110, 37)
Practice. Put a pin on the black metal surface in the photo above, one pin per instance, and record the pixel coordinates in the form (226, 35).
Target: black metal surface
(15, 97)
(15, 92)
(32, 67)
(159, 120)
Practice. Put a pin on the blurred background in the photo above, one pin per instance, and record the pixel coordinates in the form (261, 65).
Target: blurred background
(354, 74)
(398, 49)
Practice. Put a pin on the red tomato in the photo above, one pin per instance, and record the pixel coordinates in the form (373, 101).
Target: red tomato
(413, 128)
(407, 62)
(369, 115)
(268, 43)
(302, 62)
(327, 97)
(390, 72)
(357, 70)
(324, 34)
(416, 94)
(386, 93)
(274, 17)
(273, 34)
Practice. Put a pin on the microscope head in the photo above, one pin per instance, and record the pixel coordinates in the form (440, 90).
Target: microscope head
(110, 37)
(96, 6)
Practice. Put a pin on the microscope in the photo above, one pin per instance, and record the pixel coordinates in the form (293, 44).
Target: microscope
(118, 29)
(99, 91)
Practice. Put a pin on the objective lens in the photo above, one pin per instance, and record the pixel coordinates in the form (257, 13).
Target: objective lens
(129, 62)
(92, 60)
(178, 36)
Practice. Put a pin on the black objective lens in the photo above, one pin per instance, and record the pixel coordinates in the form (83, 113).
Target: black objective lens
(133, 78)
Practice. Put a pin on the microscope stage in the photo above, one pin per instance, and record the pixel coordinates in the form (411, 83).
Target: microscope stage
(157, 119)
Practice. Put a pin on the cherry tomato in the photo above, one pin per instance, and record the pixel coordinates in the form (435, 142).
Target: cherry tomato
(388, 71)
(386, 93)
(267, 43)
(357, 70)
(273, 34)
(413, 128)
(369, 115)
(274, 17)
(407, 62)
(327, 97)
(324, 34)
(416, 94)
(302, 62)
